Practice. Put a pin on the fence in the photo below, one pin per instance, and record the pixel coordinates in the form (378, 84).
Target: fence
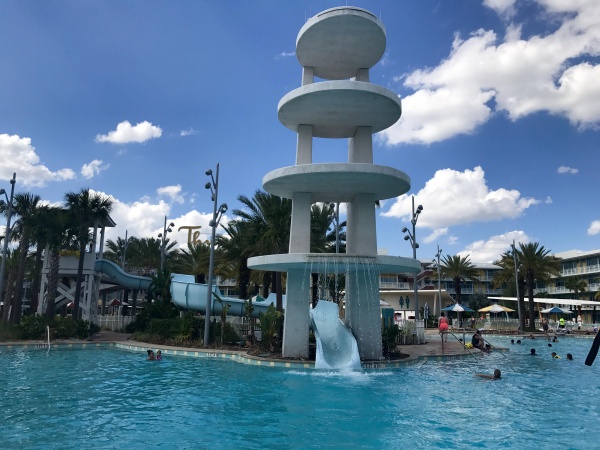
(113, 323)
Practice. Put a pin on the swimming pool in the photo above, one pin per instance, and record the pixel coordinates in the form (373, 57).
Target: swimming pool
(106, 398)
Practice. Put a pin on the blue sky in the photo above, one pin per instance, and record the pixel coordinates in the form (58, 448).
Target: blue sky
(499, 133)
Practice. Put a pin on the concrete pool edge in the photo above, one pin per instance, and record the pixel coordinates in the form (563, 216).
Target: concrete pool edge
(419, 354)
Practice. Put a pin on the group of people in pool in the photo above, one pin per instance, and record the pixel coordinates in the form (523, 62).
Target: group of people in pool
(152, 356)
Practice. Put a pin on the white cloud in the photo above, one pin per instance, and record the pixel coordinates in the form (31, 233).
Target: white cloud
(172, 192)
(452, 198)
(188, 132)
(594, 228)
(145, 219)
(555, 73)
(285, 55)
(125, 133)
(502, 7)
(490, 250)
(569, 170)
(436, 234)
(19, 156)
(93, 168)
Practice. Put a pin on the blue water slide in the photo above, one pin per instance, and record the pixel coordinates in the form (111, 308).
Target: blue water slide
(187, 294)
(116, 275)
(336, 345)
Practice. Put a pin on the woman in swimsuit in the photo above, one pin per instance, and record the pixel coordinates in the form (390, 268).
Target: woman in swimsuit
(443, 327)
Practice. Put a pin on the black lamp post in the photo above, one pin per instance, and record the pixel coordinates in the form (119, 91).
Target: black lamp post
(439, 271)
(213, 186)
(10, 206)
(413, 242)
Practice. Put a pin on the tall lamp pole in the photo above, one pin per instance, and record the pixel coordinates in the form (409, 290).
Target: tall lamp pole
(163, 243)
(439, 271)
(415, 246)
(213, 186)
(7, 232)
(514, 252)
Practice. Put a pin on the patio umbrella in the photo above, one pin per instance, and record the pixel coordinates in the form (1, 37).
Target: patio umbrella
(556, 310)
(495, 308)
(458, 308)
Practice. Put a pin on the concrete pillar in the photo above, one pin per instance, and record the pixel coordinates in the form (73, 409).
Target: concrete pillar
(300, 225)
(361, 234)
(304, 145)
(360, 147)
(362, 311)
(308, 75)
(362, 75)
(296, 322)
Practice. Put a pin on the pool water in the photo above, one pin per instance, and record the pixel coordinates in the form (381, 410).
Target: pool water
(107, 398)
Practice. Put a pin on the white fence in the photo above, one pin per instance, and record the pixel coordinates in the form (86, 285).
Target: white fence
(114, 323)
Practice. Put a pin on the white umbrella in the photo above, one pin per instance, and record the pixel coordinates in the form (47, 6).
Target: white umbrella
(495, 308)
(382, 303)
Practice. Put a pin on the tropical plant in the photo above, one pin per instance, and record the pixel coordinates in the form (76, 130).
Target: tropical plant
(268, 218)
(236, 247)
(506, 277)
(577, 285)
(145, 253)
(270, 325)
(116, 251)
(194, 261)
(85, 209)
(161, 285)
(26, 205)
(459, 269)
(539, 265)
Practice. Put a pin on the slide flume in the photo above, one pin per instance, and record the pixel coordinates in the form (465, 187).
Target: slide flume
(336, 345)
(187, 294)
(118, 276)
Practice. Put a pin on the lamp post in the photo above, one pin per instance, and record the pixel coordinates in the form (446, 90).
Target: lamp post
(213, 186)
(163, 243)
(514, 254)
(413, 242)
(10, 207)
(439, 271)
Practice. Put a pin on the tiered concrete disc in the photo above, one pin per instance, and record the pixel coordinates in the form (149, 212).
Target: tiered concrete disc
(338, 41)
(337, 182)
(336, 108)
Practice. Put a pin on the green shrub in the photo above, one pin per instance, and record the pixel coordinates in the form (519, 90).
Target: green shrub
(155, 310)
(229, 334)
(63, 328)
(389, 335)
(33, 327)
(270, 324)
(163, 327)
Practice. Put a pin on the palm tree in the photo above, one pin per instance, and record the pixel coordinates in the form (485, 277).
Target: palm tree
(322, 237)
(194, 261)
(145, 253)
(577, 285)
(86, 209)
(506, 276)
(459, 269)
(53, 236)
(537, 264)
(236, 247)
(26, 205)
(115, 251)
(269, 219)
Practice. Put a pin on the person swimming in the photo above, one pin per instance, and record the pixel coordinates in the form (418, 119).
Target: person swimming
(533, 353)
(151, 356)
(569, 357)
(158, 355)
(496, 376)
(554, 355)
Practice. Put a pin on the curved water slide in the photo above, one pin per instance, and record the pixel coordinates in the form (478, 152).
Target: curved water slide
(336, 345)
(118, 276)
(187, 294)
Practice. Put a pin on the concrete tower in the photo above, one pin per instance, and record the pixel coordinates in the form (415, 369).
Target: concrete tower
(338, 45)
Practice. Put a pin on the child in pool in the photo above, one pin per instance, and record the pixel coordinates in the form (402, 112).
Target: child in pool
(158, 355)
